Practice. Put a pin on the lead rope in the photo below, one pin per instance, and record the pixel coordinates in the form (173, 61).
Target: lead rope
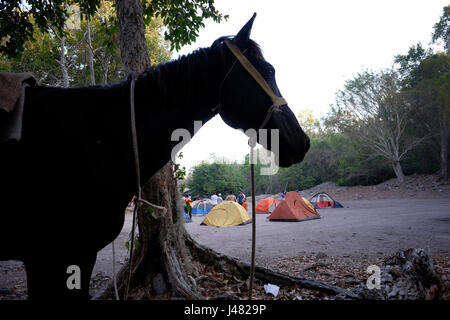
(114, 272)
(138, 178)
(138, 201)
(252, 266)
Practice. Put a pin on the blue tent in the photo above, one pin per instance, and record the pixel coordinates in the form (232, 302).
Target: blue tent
(201, 207)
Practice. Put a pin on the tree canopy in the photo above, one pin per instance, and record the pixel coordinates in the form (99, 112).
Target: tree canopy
(19, 20)
(42, 56)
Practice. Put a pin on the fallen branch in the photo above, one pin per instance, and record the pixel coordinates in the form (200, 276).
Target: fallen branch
(314, 266)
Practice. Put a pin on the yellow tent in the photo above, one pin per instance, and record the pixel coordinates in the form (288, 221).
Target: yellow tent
(308, 203)
(226, 214)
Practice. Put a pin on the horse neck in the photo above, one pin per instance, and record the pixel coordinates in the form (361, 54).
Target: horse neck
(187, 87)
(173, 96)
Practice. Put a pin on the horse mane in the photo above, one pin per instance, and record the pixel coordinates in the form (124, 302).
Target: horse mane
(183, 73)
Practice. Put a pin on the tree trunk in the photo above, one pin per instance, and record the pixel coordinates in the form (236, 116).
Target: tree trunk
(106, 68)
(398, 171)
(133, 47)
(90, 50)
(444, 147)
(161, 260)
(62, 62)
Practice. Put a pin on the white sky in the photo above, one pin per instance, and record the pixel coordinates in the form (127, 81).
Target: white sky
(314, 46)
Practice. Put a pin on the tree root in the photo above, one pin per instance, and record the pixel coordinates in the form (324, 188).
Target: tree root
(183, 288)
(241, 269)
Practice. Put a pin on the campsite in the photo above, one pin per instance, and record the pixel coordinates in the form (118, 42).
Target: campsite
(335, 249)
(215, 150)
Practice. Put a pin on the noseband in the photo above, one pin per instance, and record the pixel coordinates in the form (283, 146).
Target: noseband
(277, 102)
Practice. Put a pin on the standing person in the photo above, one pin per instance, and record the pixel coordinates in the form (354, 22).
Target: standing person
(240, 197)
(244, 204)
(214, 199)
(219, 198)
(187, 206)
(231, 197)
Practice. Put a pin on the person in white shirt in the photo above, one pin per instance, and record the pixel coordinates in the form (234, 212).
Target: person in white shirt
(214, 199)
(219, 198)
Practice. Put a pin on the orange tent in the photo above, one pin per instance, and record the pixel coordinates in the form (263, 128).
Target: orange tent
(267, 205)
(293, 208)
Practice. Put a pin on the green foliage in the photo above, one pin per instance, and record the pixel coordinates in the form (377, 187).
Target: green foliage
(17, 27)
(41, 56)
(379, 113)
(180, 172)
(309, 123)
(19, 20)
(183, 18)
(207, 178)
(332, 157)
(427, 83)
(409, 63)
(442, 29)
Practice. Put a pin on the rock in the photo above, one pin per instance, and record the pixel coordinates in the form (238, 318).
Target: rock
(407, 275)
(321, 255)
(362, 293)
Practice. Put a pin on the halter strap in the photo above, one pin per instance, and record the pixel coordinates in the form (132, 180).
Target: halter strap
(276, 101)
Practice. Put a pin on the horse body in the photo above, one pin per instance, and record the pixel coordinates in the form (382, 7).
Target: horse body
(65, 186)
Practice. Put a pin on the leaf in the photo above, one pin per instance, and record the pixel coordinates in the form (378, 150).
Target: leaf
(137, 245)
(149, 210)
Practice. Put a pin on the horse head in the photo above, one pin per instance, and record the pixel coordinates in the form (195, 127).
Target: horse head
(246, 104)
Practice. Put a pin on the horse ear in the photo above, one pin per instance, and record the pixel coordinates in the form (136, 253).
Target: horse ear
(244, 34)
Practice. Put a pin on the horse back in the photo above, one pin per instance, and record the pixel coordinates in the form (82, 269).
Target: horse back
(68, 181)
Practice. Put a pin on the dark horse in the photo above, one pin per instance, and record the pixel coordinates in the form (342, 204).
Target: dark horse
(65, 186)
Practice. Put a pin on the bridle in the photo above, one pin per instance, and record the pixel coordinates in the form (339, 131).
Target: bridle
(277, 102)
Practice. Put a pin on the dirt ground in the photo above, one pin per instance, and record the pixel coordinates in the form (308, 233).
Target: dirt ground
(361, 228)
(375, 222)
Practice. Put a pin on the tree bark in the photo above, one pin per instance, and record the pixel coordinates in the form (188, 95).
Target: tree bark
(90, 50)
(398, 171)
(106, 68)
(133, 47)
(444, 147)
(62, 62)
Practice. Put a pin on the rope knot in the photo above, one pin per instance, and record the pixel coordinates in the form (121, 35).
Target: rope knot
(155, 210)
